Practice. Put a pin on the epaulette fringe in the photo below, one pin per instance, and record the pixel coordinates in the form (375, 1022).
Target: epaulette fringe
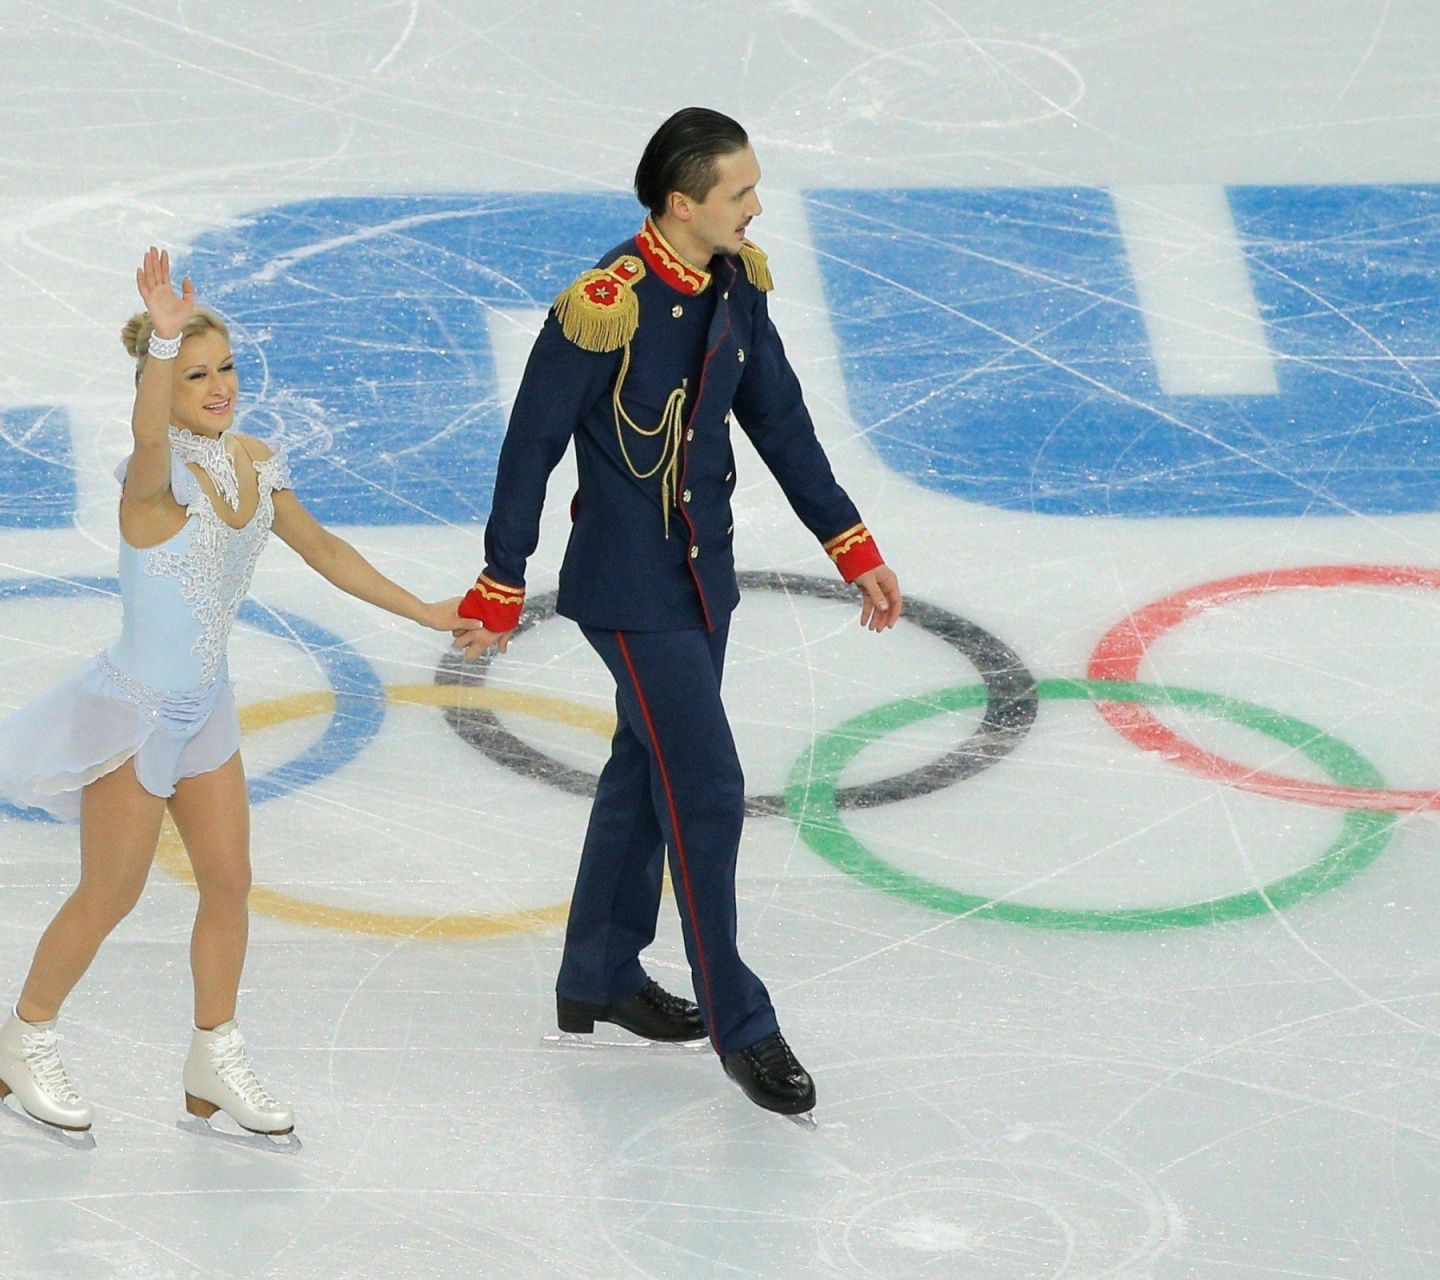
(600, 311)
(757, 266)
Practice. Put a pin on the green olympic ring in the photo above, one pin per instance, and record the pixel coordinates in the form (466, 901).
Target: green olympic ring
(810, 802)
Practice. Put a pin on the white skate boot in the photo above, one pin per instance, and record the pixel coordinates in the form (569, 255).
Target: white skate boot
(219, 1077)
(31, 1069)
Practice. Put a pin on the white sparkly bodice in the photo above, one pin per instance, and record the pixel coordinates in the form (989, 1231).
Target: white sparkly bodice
(180, 598)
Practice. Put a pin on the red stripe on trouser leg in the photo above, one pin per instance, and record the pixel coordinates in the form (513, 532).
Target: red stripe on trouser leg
(679, 840)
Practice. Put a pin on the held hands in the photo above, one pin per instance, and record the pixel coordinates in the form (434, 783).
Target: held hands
(443, 615)
(469, 635)
(880, 599)
(168, 313)
(474, 639)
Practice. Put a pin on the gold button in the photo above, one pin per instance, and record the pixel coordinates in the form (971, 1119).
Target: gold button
(694, 551)
(685, 497)
(726, 295)
(741, 355)
(677, 311)
(690, 435)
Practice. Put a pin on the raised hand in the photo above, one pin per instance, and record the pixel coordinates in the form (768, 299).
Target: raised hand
(168, 313)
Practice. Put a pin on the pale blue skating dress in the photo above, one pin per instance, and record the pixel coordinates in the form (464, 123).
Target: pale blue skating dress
(161, 693)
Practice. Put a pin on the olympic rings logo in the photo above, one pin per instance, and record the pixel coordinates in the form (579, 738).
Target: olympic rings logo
(1007, 693)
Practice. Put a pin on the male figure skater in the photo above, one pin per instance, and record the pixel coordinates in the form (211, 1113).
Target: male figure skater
(642, 361)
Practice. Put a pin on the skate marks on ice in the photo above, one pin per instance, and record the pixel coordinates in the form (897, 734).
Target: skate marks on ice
(1032, 1202)
(1140, 352)
(984, 1200)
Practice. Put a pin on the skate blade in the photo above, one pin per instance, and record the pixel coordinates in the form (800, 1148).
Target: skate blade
(573, 1040)
(806, 1120)
(285, 1144)
(74, 1139)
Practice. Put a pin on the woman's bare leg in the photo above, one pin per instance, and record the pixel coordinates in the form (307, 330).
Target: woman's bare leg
(212, 812)
(119, 827)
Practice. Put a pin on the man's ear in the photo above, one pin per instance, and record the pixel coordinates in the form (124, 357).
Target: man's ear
(679, 206)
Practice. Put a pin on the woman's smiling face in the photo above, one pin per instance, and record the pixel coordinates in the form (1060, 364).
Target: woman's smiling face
(205, 387)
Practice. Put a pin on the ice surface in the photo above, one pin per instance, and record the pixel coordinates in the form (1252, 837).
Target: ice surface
(1093, 304)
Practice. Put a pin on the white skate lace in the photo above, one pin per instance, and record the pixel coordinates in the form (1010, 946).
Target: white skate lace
(42, 1056)
(233, 1066)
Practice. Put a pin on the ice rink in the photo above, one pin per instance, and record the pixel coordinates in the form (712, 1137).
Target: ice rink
(1099, 896)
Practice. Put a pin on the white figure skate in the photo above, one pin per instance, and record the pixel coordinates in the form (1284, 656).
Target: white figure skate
(31, 1070)
(219, 1078)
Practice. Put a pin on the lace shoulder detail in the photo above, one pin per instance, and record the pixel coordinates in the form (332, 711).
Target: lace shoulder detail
(274, 472)
(184, 488)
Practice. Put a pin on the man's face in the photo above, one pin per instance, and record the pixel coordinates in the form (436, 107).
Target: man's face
(721, 218)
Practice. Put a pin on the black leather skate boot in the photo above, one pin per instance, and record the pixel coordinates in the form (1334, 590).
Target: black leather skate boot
(652, 1013)
(771, 1076)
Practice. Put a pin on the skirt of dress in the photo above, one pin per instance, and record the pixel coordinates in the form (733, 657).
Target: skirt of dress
(98, 718)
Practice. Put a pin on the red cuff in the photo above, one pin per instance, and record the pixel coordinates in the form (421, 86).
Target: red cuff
(854, 552)
(494, 605)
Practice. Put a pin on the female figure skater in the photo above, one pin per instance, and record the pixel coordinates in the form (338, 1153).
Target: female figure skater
(151, 723)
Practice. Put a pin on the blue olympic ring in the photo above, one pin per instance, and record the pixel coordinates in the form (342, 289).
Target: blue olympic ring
(359, 693)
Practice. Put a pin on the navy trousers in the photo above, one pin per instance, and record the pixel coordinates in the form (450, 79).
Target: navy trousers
(673, 782)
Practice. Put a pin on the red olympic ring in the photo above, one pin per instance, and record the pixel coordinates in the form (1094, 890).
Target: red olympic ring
(1124, 646)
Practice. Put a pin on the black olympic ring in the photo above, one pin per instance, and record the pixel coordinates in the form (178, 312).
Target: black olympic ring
(1010, 708)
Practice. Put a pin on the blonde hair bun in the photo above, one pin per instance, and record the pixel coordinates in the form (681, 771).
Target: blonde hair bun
(130, 334)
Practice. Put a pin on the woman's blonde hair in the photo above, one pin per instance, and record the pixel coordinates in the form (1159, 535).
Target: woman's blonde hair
(136, 333)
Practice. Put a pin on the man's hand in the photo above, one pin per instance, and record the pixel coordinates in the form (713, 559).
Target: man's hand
(475, 640)
(880, 599)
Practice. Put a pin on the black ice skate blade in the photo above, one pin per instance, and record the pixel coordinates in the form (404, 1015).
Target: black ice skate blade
(73, 1139)
(574, 1040)
(283, 1144)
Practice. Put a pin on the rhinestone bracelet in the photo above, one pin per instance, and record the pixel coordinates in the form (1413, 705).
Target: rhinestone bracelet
(159, 348)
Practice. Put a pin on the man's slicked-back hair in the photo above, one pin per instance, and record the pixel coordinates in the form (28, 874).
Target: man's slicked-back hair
(681, 155)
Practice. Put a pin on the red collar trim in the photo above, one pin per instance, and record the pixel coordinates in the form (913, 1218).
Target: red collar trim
(667, 264)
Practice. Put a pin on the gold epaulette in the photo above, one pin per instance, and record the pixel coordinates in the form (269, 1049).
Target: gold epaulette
(757, 266)
(600, 311)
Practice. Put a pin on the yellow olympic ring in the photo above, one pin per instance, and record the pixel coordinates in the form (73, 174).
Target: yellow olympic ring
(170, 853)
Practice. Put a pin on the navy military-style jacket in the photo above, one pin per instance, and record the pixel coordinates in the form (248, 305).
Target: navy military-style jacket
(642, 362)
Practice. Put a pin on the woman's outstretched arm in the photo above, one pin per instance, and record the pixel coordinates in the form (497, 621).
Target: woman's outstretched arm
(148, 477)
(339, 563)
